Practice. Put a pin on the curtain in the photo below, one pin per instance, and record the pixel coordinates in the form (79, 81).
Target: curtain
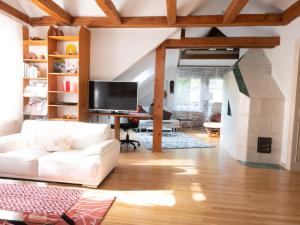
(198, 88)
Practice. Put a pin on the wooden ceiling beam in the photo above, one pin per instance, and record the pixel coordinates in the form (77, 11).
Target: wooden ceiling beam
(54, 10)
(110, 10)
(209, 56)
(224, 42)
(233, 10)
(171, 11)
(161, 21)
(7, 9)
(291, 13)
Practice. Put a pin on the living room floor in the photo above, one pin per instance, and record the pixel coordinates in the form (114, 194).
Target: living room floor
(198, 186)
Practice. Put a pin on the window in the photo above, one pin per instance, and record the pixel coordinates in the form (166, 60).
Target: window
(198, 88)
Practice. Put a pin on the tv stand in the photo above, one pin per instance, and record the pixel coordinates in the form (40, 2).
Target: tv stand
(119, 112)
(117, 117)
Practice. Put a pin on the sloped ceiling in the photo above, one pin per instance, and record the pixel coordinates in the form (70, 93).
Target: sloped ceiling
(153, 7)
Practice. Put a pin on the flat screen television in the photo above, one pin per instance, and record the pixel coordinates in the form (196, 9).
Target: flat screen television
(113, 95)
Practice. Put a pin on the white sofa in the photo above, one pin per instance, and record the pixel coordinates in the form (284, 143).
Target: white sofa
(70, 152)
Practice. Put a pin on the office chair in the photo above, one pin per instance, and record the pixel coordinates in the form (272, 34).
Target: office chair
(126, 127)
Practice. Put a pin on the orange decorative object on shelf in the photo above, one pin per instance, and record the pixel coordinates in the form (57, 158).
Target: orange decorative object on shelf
(30, 55)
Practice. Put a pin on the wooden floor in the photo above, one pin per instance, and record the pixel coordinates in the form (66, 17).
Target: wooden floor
(199, 186)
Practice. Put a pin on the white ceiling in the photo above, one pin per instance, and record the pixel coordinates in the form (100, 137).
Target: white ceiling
(153, 7)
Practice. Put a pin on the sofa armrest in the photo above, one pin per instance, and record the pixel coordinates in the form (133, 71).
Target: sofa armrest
(11, 142)
(101, 148)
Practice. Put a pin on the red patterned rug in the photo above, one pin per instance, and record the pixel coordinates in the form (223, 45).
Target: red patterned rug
(44, 205)
(37, 200)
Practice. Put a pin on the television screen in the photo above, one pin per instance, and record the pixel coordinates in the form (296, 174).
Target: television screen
(110, 95)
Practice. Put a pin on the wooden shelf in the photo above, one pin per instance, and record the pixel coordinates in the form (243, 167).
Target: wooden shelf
(34, 115)
(56, 109)
(62, 119)
(35, 42)
(35, 60)
(64, 74)
(65, 38)
(64, 56)
(62, 92)
(35, 78)
(34, 97)
(58, 105)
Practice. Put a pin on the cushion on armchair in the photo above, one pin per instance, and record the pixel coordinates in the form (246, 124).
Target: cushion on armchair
(167, 115)
(216, 118)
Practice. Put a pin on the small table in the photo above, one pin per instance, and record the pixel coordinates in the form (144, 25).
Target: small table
(165, 130)
(212, 128)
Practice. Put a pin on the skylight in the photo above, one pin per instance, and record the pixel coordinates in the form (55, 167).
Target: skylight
(143, 76)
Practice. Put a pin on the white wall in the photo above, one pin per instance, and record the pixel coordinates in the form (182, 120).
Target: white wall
(11, 73)
(113, 51)
(284, 59)
(146, 88)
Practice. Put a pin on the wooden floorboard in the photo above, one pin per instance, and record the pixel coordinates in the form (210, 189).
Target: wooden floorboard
(199, 187)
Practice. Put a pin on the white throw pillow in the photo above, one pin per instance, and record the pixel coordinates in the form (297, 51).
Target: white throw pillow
(52, 144)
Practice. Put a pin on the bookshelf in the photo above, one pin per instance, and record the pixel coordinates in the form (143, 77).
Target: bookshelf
(35, 73)
(70, 104)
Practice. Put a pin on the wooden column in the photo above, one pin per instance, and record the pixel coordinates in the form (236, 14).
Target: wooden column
(117, 127)
(158, 98)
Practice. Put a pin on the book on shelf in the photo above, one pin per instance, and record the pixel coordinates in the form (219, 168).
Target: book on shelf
(36, 90)
(36, 107)
(32, 71)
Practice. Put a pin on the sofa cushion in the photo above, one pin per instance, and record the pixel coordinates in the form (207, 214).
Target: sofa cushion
(47, 135)
(58, 142)
(33, 128)
(87, 134)
(11, 142)
(21, 161)
(67, 165)
(61, 135)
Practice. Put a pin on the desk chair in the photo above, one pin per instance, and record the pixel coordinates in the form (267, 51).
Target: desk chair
(126, 127)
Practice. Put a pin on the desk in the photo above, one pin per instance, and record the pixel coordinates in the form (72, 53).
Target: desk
(141, 116)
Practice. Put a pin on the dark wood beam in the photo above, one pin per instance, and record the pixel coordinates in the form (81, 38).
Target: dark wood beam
(291, 13)
(234, 10)
(158, 103)
(110, 10)
(7, 9)
(224, 42)
(161, 21)
(54, 10)
(171, 11)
